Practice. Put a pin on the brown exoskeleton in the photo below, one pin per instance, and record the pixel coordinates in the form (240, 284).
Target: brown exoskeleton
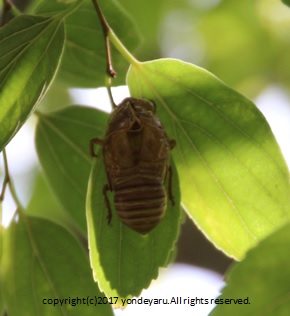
(136, 153)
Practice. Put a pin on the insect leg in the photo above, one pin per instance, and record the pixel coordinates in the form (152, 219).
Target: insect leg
(170, 193)
(106, 188)
(94, 141)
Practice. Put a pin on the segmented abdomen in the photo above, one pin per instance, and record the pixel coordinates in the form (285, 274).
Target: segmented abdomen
(140, 202)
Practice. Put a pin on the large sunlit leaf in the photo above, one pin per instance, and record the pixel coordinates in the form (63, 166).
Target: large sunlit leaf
(125, 262)
(41, 263)
(233, 178)
(30, 51)
(84, 60)
(261, 280)
(62, 142)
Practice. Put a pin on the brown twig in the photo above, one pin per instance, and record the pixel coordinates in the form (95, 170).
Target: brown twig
(6, 176)
(7, 5)
(106, 28)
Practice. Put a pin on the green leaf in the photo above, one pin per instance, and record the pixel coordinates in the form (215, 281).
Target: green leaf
(42, 261)
(125, 262)
(287, 2)
(262, 277)
(2, 307)
(84, 60)
(30, 51)
(233, 178)
(62, 143)
(2, 310)
(222, 44)
(142, 11)
(44, 204)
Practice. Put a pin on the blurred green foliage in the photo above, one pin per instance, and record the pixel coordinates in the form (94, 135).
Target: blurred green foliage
(245, 43)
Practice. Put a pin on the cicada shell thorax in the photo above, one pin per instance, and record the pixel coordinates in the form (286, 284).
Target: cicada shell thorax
(136, 152)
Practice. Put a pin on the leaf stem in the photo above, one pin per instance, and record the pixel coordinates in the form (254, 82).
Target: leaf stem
(6, 176)
(108, 86)
(8, 6)
(121, 48)
(5, 11)
(8, 181)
